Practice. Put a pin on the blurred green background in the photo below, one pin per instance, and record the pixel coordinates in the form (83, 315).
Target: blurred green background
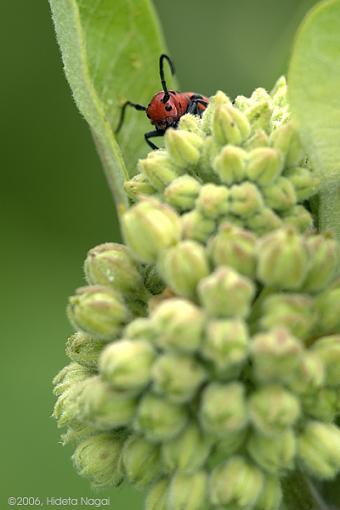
(56, 204)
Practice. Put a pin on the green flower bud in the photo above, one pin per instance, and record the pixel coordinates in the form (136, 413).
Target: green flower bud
(258, 139)
(150, 227)
(213, 201)
(126, 364)
(178, 324)
(159, 419)
(226, 345)
(292, 311)
(230, 164)
(223, 409)
(324, 255)
(69, 376)
(226, 127)
(264, 221)
(280, 195)
(285, 139)
(226, 447)
(111, 264)
(309, 375)
(192, 123)
(225, 293)
(183, 147)
(182, 193)
(187, 452)
(197, 227)
(84, 350)
(157, 498)
(259, 114)
(321, 405)
(319, 449)
(299, 218)
(234, 247)
(271, 495)
(99, 459)
(183, 266)
(141, 460)
(139, 329)
(177, 376)
(103, 407)
(305, 183)
(328, 350)
(138, 187)
(66, 407)
(98, 311)
(236, 484)
(245, 200)
(76, 433)
(264, 165)
(282, 260)
(273, 409)
(327, 305)
(276, 355)
(273, 454)
(158, 169)
(188, 492)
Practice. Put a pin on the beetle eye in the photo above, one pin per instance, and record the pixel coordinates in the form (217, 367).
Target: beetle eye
(168, 107)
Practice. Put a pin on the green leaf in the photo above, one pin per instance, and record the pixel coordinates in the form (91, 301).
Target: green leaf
(314, 93)
(110, 50)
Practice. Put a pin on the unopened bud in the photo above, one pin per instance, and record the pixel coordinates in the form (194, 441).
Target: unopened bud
(158, 169)
(319, 449)
(66, 407)
(157, 497)
(183, 266)
(225, 293)
(327, 305)
(264, 221)
(99, 459)
(230, 164)
(271, 495)
(224, 448)
(187, 452)
(69, 376)
(234, 247)
(197, 227)
(138, 186)
(236, 484)
(84, 350)
(283, 259)
(322, 405)
(273, 409)
(159, 419)
(309, 375)
(258, 139)
(273, 454)
(183, 147)
(324, 262)
(280, 195)
(190, 122)
(226, 345)
(111, 264)
(213, 201)
(245, 200)
(285, 139)
(182, 193)
(150, 227)
(299, 218)
(98, 311)
(77, 433)
(140, 329)
(126, 364)
(276, 355)
(225, 127)
(264, 165)
(189, 492)
(292, 311)
(223, 409)
(328, 350)
(259, 114)
(141, 460)
(304, 181)
(178, 324)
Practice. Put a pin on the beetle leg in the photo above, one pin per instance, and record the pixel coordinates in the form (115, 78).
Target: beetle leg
(153, 134)
(194, 102)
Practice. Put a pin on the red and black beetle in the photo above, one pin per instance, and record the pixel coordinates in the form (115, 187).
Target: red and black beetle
(167, 106)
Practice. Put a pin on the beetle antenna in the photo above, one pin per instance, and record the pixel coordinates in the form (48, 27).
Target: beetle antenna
(136, 106)
(161, 73)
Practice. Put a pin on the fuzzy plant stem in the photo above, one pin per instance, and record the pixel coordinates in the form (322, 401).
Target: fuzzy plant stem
(329, 209)
(301, 494)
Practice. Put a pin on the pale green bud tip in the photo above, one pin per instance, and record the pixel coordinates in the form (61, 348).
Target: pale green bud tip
(324, 255)
(158, 419)
(182, 193)
(141, 460)
(111, 264)
(183, 147)
(84, 350)
(150, 227)
(177, 376)
(98, 311)
(138, 187)
(187, 452)
(236, 483)
(183, 266)
(273, 409)
(271, 495)
(223, 408)
(157, 497)
(99, 459)
(245, 200)
(70, 375)
(273, 454)
(158, 169)
(225, 293)
(189, 492)
(178, 325)
(196, 226)
(213, 201)
(319, 449)
(230, 164)
(328, 350)
(126, 364)
(264, 165)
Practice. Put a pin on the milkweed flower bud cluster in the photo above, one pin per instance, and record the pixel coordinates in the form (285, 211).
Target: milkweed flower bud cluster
(205, 366)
